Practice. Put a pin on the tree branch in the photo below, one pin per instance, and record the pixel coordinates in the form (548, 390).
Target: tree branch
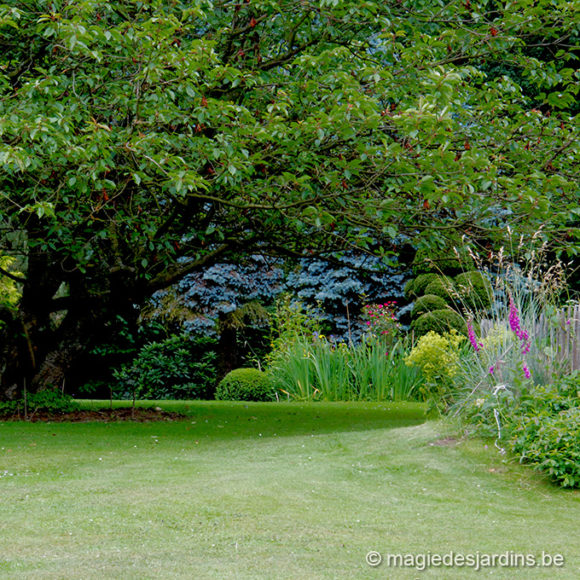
(177, 271)
(18, 279)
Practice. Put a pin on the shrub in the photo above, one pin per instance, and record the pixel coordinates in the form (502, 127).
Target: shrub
(441, 259)
(439, 321)
(416, 287)
(427, 303)
(545, 431)
(245, 385)
(49, 400)
(381, 322)
(474, 290)
(442, 287)
(8, 408)
(437, 357)
(178, 367)
(409, 290)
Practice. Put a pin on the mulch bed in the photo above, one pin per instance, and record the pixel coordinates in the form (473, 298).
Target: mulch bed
(140, 415)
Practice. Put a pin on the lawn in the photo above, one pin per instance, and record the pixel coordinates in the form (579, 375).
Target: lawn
(262, 490)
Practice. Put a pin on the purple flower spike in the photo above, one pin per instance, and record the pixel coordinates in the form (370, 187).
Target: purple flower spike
(472, 338)
(514, 319)
(527, 372)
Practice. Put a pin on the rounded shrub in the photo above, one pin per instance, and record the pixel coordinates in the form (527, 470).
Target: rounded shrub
(441, 286)
(474, 290)
(427, 303)
(452, 257)
(416, 287)
(409, 290)
(245, 385)
(439, 321)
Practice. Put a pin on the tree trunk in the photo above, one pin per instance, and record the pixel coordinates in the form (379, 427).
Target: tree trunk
(36, 355)
(11, 365)
(39, 350)
(227, 351)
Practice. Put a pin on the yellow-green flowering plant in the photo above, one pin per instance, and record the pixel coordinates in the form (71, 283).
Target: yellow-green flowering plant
(437, 355)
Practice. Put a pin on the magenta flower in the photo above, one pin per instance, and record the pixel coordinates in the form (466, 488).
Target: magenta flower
(527, 372)
(515, 325)
(491, 369)
(472, 337)
(514, 319)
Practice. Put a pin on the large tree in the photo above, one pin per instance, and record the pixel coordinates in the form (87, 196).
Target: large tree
(140, 141)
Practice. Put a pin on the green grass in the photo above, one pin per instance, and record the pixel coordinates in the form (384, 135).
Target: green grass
(250, 490)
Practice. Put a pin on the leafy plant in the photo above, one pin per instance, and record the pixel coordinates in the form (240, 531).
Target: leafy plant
(48, 400)
(382, 323)
(314, 368)
(515, 346)
(292, 370)
(416, 286)
(178, 367)
(437, 356)
(441, 286)
(545, 431)
(10, 292)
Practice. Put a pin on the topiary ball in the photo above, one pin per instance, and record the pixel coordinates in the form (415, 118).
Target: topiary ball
(416, 287)
(453, 257)
(245, 385)
(439, 321)
(442, 287)
(409, 290)
(474, 290)
(427, 303)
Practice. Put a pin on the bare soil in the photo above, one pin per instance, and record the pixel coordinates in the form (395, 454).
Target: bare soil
(140, 415)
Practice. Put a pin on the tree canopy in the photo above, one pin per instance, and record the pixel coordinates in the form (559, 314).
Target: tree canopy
(142, 141)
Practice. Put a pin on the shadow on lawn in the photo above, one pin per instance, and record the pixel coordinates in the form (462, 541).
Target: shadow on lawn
(225, 419)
